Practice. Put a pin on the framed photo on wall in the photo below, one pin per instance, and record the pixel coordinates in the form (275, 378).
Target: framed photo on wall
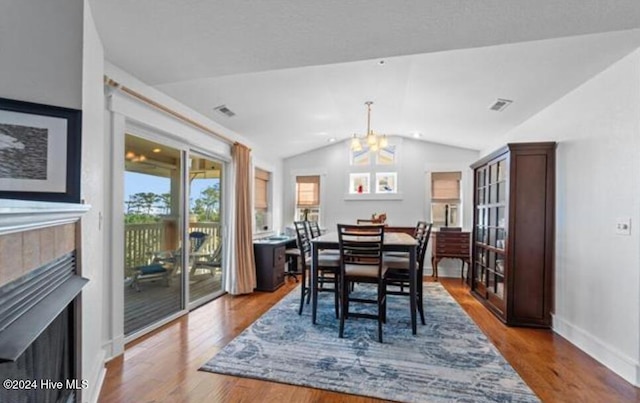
(40, 152)
(359, 183)
(386, 182)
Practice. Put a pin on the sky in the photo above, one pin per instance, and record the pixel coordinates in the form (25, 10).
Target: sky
(138, 183)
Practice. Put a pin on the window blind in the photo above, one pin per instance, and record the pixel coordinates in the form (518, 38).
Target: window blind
(308, 191)
(260, 188)
(445, 187)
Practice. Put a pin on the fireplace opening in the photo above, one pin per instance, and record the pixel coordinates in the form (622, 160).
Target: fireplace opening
(45, 372)
(39, 353)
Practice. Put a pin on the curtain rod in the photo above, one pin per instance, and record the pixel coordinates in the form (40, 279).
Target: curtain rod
(168, 111)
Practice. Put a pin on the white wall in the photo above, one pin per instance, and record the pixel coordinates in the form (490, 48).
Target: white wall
(416, 160)
(597, 276)
(51, 54)
(92, 192)
(41, 52)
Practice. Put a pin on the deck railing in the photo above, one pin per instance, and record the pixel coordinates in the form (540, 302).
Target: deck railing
(142, 241)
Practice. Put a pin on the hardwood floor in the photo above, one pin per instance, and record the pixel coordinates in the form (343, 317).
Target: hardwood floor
(163, 366)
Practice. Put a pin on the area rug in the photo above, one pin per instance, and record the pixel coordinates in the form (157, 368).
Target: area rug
(449, 359)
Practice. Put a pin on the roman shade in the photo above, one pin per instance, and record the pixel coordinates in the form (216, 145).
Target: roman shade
(260, 193)
(308, 191)
(445, 187)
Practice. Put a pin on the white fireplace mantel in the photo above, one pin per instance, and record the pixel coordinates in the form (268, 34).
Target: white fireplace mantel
(23, 215)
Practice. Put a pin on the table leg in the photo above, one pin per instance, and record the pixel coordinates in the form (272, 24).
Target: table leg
(434, 268)
(314, 282)
(413, 277)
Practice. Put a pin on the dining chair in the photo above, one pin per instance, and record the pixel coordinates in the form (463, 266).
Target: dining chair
(398, 268)
(421, 226)
(314, 229)
(361, 260)
(314, 232)
(328, 267)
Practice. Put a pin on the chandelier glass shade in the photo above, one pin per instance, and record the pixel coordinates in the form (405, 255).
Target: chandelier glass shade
(373, 141)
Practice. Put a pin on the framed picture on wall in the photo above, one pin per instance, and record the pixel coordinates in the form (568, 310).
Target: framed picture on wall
(359, 183)
(40, 147)
(386, 182)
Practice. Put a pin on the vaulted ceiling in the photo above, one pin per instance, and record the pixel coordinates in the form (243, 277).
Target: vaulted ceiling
(297, 73)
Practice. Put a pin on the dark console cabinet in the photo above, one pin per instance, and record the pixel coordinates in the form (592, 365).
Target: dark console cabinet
(270, 262)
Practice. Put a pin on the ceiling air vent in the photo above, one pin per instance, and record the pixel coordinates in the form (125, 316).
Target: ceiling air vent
(224, 110)
(500, 105)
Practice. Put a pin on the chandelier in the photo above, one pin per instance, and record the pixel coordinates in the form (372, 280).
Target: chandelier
(371, 140)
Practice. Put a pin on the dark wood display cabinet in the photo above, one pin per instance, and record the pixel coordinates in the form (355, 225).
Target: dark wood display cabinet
(270, 262)
(513, 233)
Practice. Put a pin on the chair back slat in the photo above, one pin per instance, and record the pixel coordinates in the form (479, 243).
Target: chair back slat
(361, 244)
(302, 238)
(314, 229)
(423, 242)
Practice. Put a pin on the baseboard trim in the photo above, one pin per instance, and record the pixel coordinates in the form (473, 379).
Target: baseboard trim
(96, 378)
(626, 367)
(114, 347)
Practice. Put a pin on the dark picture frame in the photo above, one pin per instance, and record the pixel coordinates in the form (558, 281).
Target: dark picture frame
(40, 152)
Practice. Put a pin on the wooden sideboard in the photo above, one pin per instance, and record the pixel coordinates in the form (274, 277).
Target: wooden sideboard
(451, 245)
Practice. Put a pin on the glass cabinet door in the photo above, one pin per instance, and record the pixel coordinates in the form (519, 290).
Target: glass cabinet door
(490, 223)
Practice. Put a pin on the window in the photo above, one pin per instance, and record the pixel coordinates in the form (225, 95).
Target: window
(261, 199)
(445, 199)
(308, 198)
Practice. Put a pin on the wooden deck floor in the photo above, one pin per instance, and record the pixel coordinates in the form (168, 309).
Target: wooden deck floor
(163, 366)
(156, 301)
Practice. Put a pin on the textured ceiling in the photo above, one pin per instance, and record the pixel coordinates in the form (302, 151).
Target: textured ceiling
(296, 73)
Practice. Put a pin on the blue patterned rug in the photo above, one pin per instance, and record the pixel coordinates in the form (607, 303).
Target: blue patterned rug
(449, 360)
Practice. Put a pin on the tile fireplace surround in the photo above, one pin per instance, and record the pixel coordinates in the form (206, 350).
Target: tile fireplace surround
(34, 233)
(32, 236)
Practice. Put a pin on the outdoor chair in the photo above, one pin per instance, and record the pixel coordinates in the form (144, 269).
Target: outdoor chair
(150, 272)
(172, 260)
(211, 263)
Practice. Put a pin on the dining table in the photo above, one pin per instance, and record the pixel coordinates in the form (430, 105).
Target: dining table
(393, 242)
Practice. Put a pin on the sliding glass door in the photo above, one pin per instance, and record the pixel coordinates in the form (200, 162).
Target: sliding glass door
(153, 231)
(205, 177)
